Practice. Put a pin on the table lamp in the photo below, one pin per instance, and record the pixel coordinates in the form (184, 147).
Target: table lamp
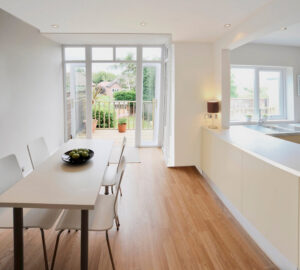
(212, 109)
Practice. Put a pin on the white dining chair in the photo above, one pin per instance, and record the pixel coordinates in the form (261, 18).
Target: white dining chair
(42, 219)
(38, 152)
(109, 178)
(100, 219)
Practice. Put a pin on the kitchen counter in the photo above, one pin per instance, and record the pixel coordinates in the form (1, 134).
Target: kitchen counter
(280, 153)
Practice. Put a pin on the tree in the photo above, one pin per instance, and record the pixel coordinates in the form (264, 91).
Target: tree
(148, 83)
(128, 76)
(103, 76)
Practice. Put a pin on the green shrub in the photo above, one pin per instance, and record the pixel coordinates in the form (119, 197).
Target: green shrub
(99, 115)
(125, 95)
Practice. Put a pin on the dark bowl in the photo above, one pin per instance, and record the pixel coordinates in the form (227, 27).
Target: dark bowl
(66, 158)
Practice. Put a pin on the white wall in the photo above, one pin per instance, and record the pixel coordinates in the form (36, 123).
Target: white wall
(193, 78)
(31, 95)
(271, 55)
(271, 17)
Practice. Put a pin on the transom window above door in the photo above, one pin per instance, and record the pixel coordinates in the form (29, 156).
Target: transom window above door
(257, 93)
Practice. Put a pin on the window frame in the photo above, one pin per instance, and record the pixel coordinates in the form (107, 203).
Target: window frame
(282, 91)
(139, 78)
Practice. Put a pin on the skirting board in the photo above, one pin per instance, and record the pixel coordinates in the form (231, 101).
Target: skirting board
(273, 253)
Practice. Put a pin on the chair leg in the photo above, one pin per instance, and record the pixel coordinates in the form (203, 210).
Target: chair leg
(112, 189)
(117, 222)
(44, 249)
(109, 250)
(55, 249)
(106, 190)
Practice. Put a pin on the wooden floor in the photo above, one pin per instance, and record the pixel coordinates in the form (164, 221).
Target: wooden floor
(170, 219)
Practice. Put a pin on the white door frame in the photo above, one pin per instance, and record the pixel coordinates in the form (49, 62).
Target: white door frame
(139, 87)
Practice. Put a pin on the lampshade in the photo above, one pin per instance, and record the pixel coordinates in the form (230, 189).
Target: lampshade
(212, 106)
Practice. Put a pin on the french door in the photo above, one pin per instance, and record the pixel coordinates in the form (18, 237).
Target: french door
(75, 100)
(108, 85)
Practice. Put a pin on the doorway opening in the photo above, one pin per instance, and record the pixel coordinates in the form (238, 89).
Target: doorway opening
(115, 91)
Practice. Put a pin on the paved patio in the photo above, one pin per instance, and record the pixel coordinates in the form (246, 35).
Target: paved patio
(117, 137)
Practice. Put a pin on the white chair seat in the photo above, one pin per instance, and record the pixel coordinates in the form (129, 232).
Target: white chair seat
(109, 178)
(33, 218)
(100, 219)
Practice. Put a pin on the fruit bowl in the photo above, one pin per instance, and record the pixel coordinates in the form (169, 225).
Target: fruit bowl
(77, 156)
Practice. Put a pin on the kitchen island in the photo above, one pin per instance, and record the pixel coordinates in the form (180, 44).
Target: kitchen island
(256, 175)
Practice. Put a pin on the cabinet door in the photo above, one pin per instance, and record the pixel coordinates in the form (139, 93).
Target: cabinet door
(270, 203)
(222, 163)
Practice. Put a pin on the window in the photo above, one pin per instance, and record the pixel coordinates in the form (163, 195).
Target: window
(151, 54)
(257, 92)
(74, 53)
(102, 53)
(126, 53)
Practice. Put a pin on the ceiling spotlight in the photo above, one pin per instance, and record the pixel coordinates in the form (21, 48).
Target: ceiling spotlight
(143, 24)
(227, 25)
(283, 28)
(54, 25)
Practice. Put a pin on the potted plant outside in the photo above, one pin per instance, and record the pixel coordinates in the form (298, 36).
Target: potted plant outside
(122, 123)
(249, 117)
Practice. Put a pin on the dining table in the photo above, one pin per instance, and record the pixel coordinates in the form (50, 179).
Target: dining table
(56, 184)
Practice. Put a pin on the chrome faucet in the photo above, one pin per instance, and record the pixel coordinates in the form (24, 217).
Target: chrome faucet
(261, 120)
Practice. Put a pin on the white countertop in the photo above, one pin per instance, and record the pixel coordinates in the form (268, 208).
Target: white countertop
(280, 153)
(55, 184)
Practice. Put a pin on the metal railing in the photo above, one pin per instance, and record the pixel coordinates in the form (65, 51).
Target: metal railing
(107, 113)
(240, 107)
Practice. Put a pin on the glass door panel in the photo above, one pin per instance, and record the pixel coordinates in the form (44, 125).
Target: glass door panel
(114, 101)
(150, 103)
(75, 84)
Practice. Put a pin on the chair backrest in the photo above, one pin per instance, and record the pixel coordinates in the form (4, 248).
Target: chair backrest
(38, 152)
(122, 151)
(119, 177)
(10, 172)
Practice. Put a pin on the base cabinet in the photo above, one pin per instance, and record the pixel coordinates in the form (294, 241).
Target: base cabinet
(267, 196)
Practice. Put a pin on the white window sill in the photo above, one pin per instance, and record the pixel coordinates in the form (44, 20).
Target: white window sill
(235, 123)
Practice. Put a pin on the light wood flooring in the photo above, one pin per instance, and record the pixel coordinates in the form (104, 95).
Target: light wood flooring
(170, 219)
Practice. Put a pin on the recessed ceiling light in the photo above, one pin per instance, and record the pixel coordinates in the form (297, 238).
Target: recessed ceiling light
(283, 28)
(143, 24)
(54, 25)
(227, 25)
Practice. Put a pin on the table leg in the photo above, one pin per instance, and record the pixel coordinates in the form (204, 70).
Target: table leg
(18, 239)
(84, 239)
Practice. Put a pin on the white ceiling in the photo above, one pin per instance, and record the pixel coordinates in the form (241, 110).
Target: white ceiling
(186, 20)
(289, 37)
(109, 39)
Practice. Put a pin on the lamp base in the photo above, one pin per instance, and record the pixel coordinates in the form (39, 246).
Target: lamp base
(212, 124)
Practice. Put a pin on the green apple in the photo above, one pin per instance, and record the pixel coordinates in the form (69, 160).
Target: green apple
(85, 154)
(75, 156)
